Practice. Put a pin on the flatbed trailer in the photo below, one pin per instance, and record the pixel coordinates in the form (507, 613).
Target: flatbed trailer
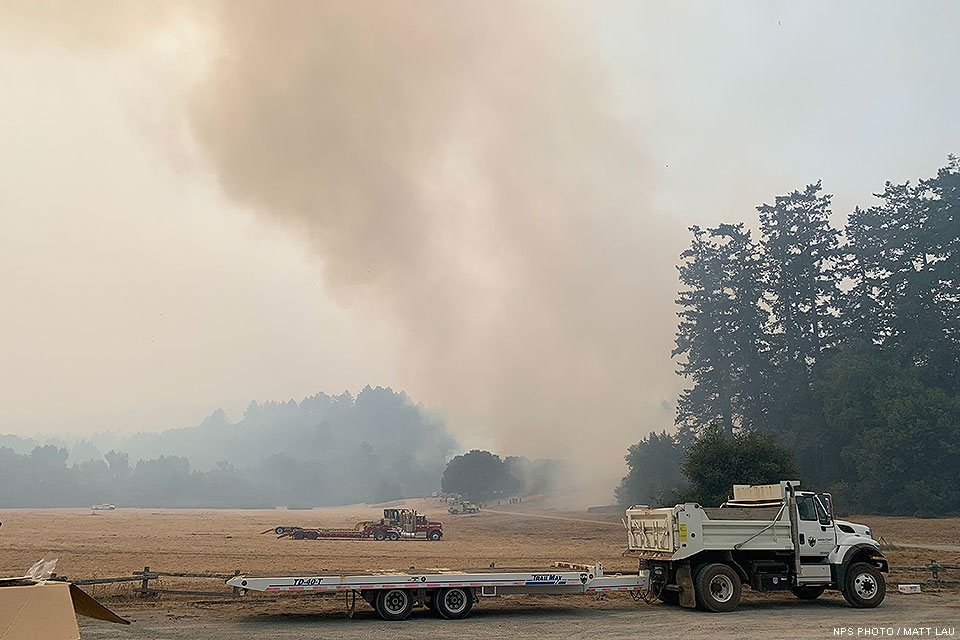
(449, 594)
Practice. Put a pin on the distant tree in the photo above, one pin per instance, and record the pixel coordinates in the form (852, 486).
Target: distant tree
(716, 462)
(802, 259)
(903, 257)
(889, 443)
(479, 475)
(720, 336)
(802, 273)
(654, 475)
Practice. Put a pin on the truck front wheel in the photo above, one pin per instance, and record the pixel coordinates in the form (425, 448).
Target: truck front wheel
(864, 586)
(717, 587)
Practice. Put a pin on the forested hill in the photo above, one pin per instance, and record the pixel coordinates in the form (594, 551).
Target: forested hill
(324, 450)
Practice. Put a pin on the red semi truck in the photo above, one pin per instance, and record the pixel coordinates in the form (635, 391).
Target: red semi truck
(396, 524)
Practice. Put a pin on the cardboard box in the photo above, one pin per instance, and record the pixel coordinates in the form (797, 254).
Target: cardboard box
(32, 609)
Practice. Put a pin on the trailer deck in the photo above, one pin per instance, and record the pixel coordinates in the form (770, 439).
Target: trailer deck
(430, 585)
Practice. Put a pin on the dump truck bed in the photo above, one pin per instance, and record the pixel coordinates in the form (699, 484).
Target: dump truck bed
(681, 531)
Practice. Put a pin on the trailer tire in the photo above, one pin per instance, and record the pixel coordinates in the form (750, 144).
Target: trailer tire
(312, 535)
(297, 535)
(808, 593)
(454, 603)
(864, 586)
(394, 604)
(378, 535)
(435, 535)
(393, 536)
(717, 587)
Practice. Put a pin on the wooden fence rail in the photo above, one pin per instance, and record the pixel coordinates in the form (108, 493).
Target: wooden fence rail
(144, 577)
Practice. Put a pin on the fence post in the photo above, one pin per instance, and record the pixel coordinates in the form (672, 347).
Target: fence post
(145, 582)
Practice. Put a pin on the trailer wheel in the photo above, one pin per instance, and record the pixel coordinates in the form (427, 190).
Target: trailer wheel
(378, 535)
(394, 604)
(435, 534)
(454, 603)
(393, 536)
(864, 586)
(808, 593)
(717, 588)
(297, 535)
(312, 535)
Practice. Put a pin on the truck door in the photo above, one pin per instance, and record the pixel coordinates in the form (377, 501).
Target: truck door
(817, 534)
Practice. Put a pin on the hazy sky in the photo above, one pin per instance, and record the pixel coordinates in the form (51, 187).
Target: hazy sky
(480, 206)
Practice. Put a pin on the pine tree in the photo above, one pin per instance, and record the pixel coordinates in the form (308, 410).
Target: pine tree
(903, 257)
(720, 333)
(802, 256)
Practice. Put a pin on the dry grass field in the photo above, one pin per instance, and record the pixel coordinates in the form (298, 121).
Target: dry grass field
(116, 543)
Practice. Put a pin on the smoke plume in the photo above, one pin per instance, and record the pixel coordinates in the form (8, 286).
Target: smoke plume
(462, 173)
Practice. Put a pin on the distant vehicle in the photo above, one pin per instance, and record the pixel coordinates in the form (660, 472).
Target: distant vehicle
(396, 524)
(463, 507)
(104, 507)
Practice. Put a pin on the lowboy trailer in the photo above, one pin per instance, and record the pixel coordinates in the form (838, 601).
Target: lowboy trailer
(449, 594)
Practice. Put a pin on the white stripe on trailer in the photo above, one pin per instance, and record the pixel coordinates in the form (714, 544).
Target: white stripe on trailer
(588, 581)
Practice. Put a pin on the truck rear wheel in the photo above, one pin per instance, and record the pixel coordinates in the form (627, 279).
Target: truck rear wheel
(378, 535)
(394, 604)
(297, 535)
(864, 586)
(312, 535)
(808, 593)
(393, 536)
(454, 603)
(717, 587)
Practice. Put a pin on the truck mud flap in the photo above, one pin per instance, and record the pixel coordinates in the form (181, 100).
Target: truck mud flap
(685, 581)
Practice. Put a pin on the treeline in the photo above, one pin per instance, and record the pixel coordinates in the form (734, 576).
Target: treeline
(325, 450)
(840, 347)
(480, 476)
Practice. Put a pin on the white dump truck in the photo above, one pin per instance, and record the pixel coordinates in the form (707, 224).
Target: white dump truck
(768, 537)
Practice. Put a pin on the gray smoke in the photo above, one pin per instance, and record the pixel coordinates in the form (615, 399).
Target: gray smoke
(462, 173)
(465, 178)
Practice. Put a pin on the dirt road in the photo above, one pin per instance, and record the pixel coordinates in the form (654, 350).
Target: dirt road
(760, 619)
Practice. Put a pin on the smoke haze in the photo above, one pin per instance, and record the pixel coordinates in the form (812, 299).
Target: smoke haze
(479, 204)
(460, 173)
